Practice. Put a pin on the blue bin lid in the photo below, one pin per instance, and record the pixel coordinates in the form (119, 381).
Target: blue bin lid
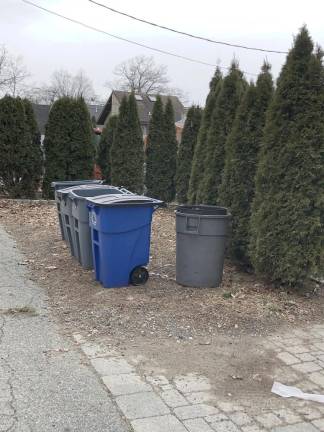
(123, 200)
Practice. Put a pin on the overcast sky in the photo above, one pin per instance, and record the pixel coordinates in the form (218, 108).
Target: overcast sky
(48, 43)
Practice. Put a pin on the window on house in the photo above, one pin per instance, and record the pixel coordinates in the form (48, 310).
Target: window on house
(138, 97)
(152, 98)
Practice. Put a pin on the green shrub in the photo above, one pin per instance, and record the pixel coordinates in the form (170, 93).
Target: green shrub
(288, 209)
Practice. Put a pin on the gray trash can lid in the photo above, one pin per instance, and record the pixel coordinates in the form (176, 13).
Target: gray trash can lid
(83, 194)
(203, 210)
(62, 183)
(65, 191)
(124, 200)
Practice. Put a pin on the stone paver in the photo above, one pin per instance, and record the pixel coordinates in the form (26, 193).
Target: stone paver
(287, 416)
(157, 380)
(141, 405)
(198, 425)
(125, 384)
(269, 420)
(317, 378)
(173, 398)
(192, 383)
(309, 412)
(300, 427)
(287, 358)
(167, 423)
(252, 428)
(305, 357)
(111, 366)
(225, 426)
(307, 367)
(298, 349)
(319, 424)
(229, 407)
(193, 411)
(200, 397)
(95, 350)
(240, 418)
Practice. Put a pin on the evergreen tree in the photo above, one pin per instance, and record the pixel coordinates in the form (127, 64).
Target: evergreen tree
(288, 210)
(241, 149)
(186, 152)
(127, 150)
(105, 144)
(68, 144)
(20, 162)
(31, 179)
(199, 157)
(169, 153)
(155, 167)
(221, 123)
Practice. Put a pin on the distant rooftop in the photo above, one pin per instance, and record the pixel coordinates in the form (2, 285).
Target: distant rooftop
(42, 113)
(145, 104)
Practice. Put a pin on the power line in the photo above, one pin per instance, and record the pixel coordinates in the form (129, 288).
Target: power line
(185, 33)
(127, 40)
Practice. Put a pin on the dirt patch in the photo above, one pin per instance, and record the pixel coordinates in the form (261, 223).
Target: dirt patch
(23, 311)
(218, 332)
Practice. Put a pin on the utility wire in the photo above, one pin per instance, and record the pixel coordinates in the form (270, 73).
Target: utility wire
(185, 33)
(127, 40)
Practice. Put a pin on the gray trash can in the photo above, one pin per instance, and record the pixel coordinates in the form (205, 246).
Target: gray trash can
(202, 233)
(65, 204)
(56, 185)
(80, 224)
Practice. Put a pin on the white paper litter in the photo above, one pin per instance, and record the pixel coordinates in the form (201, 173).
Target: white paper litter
(287, 391)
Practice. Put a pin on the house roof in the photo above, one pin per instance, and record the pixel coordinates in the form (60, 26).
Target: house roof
(144, 106)
(95, 110)
(42, 113)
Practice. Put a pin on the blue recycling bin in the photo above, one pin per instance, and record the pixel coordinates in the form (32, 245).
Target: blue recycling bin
(121, 232)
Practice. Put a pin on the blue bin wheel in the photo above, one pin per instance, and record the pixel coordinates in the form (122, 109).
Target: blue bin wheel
(139, 276)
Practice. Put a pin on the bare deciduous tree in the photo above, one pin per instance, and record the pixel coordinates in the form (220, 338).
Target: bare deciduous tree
(13, 73)
(141, 75)
(63, 83)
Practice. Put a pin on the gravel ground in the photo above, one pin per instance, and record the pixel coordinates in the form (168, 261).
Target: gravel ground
(208, 330)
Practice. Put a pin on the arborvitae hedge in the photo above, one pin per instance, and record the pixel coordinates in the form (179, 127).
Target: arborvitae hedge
(105, 144)
(199, 157)
(186, 152)
(34, 158)
(221, 123)
(169, 154)
(155, 166)
(241, 149)
(288, 211)
(20, 161)
(161, 153)
(127, 151)
(68, 144)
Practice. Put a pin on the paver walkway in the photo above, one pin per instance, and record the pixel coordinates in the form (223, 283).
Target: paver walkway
(46, 383)
(187, 403)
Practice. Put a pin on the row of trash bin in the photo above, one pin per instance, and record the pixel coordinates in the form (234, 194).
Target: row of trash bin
(108, 228)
